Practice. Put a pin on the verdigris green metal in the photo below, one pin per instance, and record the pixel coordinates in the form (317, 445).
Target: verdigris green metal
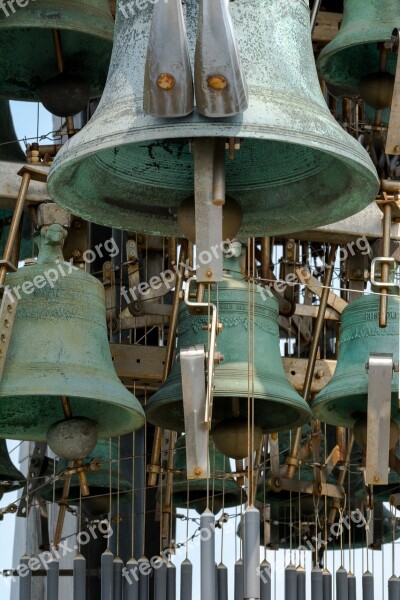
(354, 51)
(99, 481)
(10, 150)
(344, 400)
(59, 347)
(10, 478)
(27, 48)
(296, 167)
(277, 405)
(224, 491)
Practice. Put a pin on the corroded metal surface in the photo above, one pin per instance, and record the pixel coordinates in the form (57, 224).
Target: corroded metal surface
(8, 472)
(296, 167)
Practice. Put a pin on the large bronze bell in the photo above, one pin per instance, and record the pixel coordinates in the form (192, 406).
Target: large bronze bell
(224, 491)
(98, 503)
(296, 168)
(351, 63)
(59, 348)
(10, 478)
(27, 51)
(10, 150)
(344, 400)
(277, 405)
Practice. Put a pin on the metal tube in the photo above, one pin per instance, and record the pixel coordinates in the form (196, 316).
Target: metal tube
(160, 580)
(265, 257)
(131, 580)
(222, 582)
(186, 579)
(352, 585)
(107, 559)
(63, 507)
(171, 581)
(314, 14)
(394, 588)
(251, 552)
(216, 581)
(387, 223)
(327, 584)
(368, 586)
(52, 580)
(144, 578)
(317, 584)
(58, 50)
(290, 583)
(218, 191)
(239, 579)
(25, 579)
(79, 592)
(118, 565)
(207, 556)
(301, 583)
(265, 580)
(342, 587)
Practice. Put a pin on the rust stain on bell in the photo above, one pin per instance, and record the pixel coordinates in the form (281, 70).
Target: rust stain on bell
(166, 81)
(217, 82)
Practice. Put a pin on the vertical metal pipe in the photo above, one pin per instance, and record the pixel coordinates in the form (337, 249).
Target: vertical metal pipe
(314, 14)
(251, 553)
(131, 580)
(290, 583)
(239, 579)
(107, 559)
(144, 578)
(207, 556)
(186, 579)
(25, 579)
(265, 580)
(387, 223)
(301, 583)
(79, 592)
(394, 588)
(160, 580)
(327, 584)
(368, 586)
(317, 584)
(222, 582)
(216, 582)
(342, 587)
(171, 581)
(118, 565)
(52, 580)
(352, 585)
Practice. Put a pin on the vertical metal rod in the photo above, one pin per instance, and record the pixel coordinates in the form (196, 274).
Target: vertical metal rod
(25, 580)
(186, 579)
(218, 191)
(301, 583)
(368, 586)
(341, 479)
(58, 50)
(251, 552)
(387, 223)
(171, 581)
(290, 583)
(222, 582)
(79, 592)
(107, 559)
(144, 578)
(81, 474)
(314, 13)
(352, 585)
(63, 507)
(207, 556)
(216, 582)
(265, 257)
(317, 584)
(52, 580)
(160, 580)
(394, 588)
(131, 580)
(265, 580)
(239, 579)
(118, 565)
(327, 584)
(342, 587)
(167, 508)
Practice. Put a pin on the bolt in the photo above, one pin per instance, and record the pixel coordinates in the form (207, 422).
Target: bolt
(209, 272)
(137, 306)
(274, 436)
(397, 149)
(320, 373)
(77, 224)
(377, 478)
(198, 471)
(277, 482)
(357, 272)
(76, 253)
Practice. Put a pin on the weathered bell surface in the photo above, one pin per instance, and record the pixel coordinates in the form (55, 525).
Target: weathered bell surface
(10, 150)
(353, 56)
(59, 347)
(296, 167)
(10, 478)
(344, 400)
(27, 49)
(224, 492)
(277, 405)
(98, 503)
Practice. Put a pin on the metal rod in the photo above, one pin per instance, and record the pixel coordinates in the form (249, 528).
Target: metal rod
(25, 582)
(394, 588)
(81, 474)
(301, 583)
(327, 584)
(144, 578)
(290, 583)
(317, 584)
(118, 565)
(222, 582)
(341, 478)
(265, 580)
(63, 507)
(314, 13)
(342, 587)
(387, 223)
(131, 580)
(79, 585)
(266, 257)
(53, 575)
(239, 579)
(160, 580)
(218, 191)
(168, 490)
(251, 552)
(368, 586)
(352, 585)
(171, 581)
(58, 50)
(186, 579)
(216, 581)
(207, 556)
(107, 559)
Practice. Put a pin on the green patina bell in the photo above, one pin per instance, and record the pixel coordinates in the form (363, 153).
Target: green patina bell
(344, 400)
(59, 347)
(296, 168)
(10, 478)
(10, 150)
(27, 50)
(98, 503)
(277, 405)
(350, 63)
(223, 490)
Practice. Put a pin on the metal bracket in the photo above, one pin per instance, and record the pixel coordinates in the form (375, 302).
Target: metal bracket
(376, 273)
(380, 372)
(194, 404)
